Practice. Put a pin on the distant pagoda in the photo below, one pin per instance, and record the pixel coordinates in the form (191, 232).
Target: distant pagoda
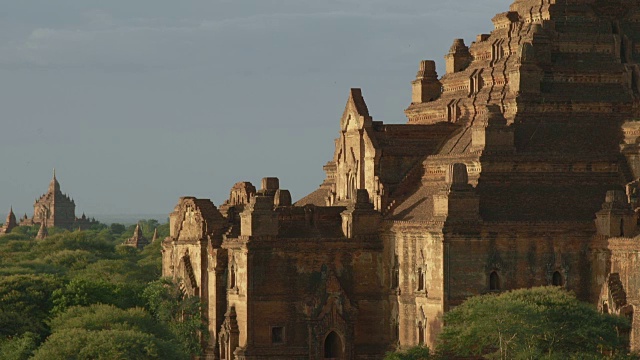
(56, 209)
(10, 224)
(137, 240)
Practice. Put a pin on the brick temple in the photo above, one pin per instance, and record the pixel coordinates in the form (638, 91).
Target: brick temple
(518, 167)
(53, 208)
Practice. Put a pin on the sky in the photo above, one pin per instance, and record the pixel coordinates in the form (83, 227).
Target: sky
(136, 103)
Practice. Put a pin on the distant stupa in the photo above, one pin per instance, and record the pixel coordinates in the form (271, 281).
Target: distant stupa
(137, 240)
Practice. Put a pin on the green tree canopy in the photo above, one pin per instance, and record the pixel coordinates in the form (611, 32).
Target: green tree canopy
(117, 229)
(18, 347)
(107, 332)
(25, 302)
(414, 353)
(538, 323)
(169, 305)
(84, 291)
(79, 295)
(106, 317)
(72, 344)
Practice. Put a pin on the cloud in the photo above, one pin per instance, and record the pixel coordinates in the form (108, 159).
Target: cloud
(98, 17)
(250, 21)
(111, 42)
(103, 40)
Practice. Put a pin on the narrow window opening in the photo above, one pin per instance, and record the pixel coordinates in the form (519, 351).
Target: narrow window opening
(557, 279)
(420, 333)
(420, 279)
(277, 335)
(494, 281)
(232, 278)
(395, 274)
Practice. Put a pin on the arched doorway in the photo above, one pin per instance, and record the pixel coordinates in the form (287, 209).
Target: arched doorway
(557, 279)
(333, 348)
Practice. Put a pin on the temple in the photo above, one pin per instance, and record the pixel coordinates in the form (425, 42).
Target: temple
(9, 224)
(52, 209)
(138, 240)
(518, 167)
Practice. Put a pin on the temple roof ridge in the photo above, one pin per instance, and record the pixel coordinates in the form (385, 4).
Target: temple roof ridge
(356, 98)
(357, 107)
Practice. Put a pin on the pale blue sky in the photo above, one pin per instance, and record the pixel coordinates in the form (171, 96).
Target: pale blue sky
(138, 102)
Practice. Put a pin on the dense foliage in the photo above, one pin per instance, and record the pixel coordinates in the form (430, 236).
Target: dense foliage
(414, 353)
(538, 323)
(83, 295)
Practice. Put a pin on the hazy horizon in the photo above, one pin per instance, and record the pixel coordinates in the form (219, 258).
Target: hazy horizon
(138, 103)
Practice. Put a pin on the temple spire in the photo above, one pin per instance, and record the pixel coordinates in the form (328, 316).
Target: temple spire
(137, 233)
(11, 222)
(54, 186)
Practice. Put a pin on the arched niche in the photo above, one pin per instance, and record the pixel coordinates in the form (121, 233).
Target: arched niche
(557, 279)
(333, 346)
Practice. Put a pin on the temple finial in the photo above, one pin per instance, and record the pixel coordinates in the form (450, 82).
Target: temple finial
(54, 186)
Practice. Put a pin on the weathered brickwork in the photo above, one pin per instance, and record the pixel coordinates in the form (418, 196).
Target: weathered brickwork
(511, 172)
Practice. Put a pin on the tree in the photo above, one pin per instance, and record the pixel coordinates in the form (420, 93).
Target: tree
(19, 347)
(182, 313)
(106, 344)
(105, 317)
(96, 242)
(26, 231)
(70, 259)
(106, 332)
(117, 229)
(89, 269)
(25, 303)
(538, 323)
(87, 291)
(150, 261)
(414, 353)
